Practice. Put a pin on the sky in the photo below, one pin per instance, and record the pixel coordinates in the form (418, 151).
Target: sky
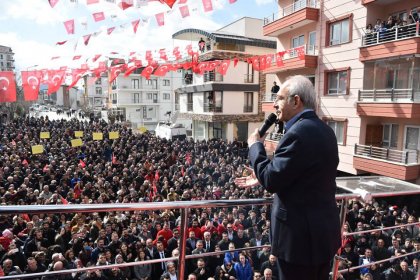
(32, 28)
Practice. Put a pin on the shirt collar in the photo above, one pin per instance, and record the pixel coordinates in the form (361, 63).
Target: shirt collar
(289, 123)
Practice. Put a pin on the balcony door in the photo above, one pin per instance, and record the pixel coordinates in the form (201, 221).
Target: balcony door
(412, 138)
(312, 42)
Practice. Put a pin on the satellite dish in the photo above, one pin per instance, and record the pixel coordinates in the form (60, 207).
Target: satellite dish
(174, 117)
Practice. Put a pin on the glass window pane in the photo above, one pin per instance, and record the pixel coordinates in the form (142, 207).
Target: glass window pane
(342, 82)
(345, 31)
(335, 34)
(340, 132)
(394, 136)
(412, 138)
(332, 83)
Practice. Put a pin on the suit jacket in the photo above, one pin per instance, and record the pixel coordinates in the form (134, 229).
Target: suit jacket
(305, 226)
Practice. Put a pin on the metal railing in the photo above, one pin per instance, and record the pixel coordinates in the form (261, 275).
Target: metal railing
(392, 34)
(248, 78)
(397, 156)
(190, 107)
(290, 9)
(294, 53)
(210, 108)
(248, 108)
(212, 76)
(392, 94)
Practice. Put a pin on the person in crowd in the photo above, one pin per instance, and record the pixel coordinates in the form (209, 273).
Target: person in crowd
(274, 90)
(296, 197)
(243, 269)
(142, 271)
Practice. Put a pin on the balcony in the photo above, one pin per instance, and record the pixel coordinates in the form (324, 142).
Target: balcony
(212, 77)
(395, 42)
(293, 61)
(398, 164)
(248, 108)
(394, 103)
(291, 17)
(210, 108)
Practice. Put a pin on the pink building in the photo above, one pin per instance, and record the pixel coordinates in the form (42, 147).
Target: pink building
(368, 81)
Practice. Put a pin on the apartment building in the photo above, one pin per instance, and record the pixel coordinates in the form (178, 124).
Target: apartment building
(7, 61)
(225, 106)
(96, 92)
(144, 102)
(368, 82)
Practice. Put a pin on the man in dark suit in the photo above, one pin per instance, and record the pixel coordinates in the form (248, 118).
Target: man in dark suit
(159, 268)
(305, 226)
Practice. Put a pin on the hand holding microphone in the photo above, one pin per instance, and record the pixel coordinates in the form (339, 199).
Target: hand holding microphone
(260, 133)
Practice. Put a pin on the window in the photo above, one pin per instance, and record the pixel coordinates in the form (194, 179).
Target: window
(390, 136)
(144, 112)
(248, 102)
(337, 82)
(340, 129)
(298, 41)
(412, 137)
(149, 96)
(99, 90)
(339, 31)
(1, 56)
(98, 81)
(152, 82)
(189, 101)
(98, 101)
(135, 83)
(166, 82)
(213, 101)
(400, 15)
(166, 96)
(136, 97)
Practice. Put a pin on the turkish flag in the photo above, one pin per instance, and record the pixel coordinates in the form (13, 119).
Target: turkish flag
(89, 2)
(135, 25)
(115, 71)
(170, 3)
(147, 71)
(99, 16)
(53, 3)
(69, 25)
(255, 63)
(182, 2)
(30, 84)
(95, 58)
(200, 67)
(160, 19)
(125, 4)
(76, 74)
(207, 5)
(162, 70)
(86, 39)
(149, 56)
(223, 67)
(279, 59)
(55, 79)
(109, 30)
(235, 61)
(263, 62)
(7, 86)
(185, 12)
(137, 64)
(212, 65)
(177, 53)
(300, 51)
(163, 55)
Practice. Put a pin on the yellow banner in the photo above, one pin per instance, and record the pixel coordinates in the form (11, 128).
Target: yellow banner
(45, 135)
(37, 149)
(78, 134)
(76, 142)
(142, 129)
(114, 135)
(98, 136)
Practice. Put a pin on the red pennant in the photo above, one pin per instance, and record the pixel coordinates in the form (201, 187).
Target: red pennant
(255, 63)
(200, 67)
(170, 3)
(99, 16)
(76, 74)
(160, 19)
(182, 2)
(125, 4)
(135, 25)
(7, 86)
(163, 55)
(157, 176)
(77, 57)
(207, 5)
(109, 30)
(96, 57)
(115, 71)
(263, 62)
(162, 70)
(279, 59)
(86, 39)
(147, 72)
(235, 62)
(53, 3)
(69, 25)
(114, 159)
(55, 79)
(300, 51)
(232, 1)
(82, 163)
(30, 83)
(61, 42)
(185, 12)
(89, 2)
(223, 67)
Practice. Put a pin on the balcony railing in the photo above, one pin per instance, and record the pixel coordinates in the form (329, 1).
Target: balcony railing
(212, 108)
(248, 78)
(395, 95)
(294, 53)
(397, 156)
(392, 34)
(212, 77)
(248, 109)
(189, 107)
(293, 8)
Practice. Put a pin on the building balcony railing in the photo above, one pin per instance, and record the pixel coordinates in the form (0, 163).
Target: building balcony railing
(293, 61)
(392, 34)
(395, 156)
(248, 78)
(293, 8)
(389, 95)
(212, 77)
(210, 108)
(248, 109)
(189, 107)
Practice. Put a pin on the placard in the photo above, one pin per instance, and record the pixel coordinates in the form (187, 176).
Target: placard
(37, 149)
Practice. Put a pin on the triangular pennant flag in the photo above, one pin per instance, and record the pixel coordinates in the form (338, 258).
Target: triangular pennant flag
(95, 58)
(185, 12)
(82, 163)
(7, 86)
(53, 3)
(76, 74)
(207, 5)
(61, 42)
(135, 25)
(223, 67)
(147, 72)
(232, 1)
(77, 57)
(109, 30)
(86, 39)
(99, 16)
(125, 4)
(160, 19)
(89, 2)
(235, 61)
(161, 70)
(69, 25)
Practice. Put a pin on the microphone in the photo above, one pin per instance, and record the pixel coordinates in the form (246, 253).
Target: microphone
(271, 119)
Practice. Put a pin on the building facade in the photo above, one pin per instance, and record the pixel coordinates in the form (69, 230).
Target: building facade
(225, 106)
(96, 93)
(367, 79)
(7, 61)
(144, 102)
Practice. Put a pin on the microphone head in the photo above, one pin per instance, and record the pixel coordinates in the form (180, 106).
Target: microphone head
(272, 118)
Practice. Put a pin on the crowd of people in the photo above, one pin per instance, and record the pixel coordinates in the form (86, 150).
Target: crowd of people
(143, 168)
(392, 28)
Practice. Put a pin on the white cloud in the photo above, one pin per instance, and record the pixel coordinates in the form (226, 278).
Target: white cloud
(263, 2)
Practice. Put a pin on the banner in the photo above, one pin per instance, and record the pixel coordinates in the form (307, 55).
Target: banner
(76, 142)
(37, 149)
(45, 135)
(114, 135)
(78, 134)
(98, 136)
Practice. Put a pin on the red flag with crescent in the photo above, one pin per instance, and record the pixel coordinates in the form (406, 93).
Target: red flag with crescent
(76, 74)
(279, 59)
(7, 86)
(213, 64)
(55, 79)
(223, 67)
(162, 53)
(201, 67)
(31, 81)
(115, 71)
(147, 71)
(162, 70)
(134, 65)
(125, 4)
